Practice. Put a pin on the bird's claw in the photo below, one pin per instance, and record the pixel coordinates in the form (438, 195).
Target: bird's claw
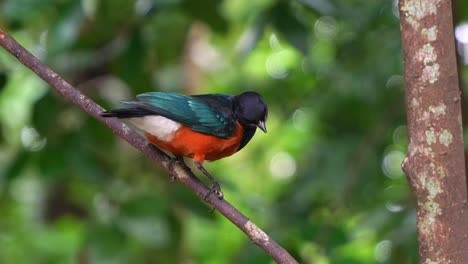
(216, 189)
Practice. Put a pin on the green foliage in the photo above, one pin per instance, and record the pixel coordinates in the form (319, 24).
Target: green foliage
(325, 181)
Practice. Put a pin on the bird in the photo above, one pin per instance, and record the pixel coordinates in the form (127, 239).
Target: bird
(201, 127)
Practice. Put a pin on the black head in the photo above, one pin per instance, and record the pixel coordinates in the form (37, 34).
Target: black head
(251, 110)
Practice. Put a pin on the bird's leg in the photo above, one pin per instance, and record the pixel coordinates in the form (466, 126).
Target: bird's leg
(215, 188)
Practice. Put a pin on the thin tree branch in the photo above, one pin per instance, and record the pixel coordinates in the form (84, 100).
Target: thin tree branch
(180, 172)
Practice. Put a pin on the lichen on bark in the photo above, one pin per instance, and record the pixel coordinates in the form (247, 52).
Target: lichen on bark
(435, 162)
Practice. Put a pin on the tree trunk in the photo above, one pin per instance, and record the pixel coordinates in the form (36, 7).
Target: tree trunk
(435, 163)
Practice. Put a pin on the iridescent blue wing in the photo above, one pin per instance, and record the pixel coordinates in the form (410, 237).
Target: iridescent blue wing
(209, 114)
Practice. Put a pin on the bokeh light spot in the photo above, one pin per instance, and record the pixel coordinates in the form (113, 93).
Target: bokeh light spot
(28, 191)
(326, 28)
(299, 119)
(400, 136)
(383, 251)
(274, 42)
(395, 81)
(142, 7)
(461, 35)
(275, 65)
(391, 164)
(282, 165)
(395, 9)
(31, 139)
(395, 196)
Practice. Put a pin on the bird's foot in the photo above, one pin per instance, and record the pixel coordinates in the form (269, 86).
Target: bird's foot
(216, 189)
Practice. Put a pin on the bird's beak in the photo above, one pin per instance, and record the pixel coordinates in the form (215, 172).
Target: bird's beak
(261, 125)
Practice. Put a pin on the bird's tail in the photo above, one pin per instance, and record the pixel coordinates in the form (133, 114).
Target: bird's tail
(126, 113)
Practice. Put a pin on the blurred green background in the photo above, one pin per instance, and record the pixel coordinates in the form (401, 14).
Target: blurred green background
(325, 182)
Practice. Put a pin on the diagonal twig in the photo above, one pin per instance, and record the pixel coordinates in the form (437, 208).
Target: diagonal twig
(181, 173)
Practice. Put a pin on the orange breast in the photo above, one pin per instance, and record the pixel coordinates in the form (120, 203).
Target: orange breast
(199, 146)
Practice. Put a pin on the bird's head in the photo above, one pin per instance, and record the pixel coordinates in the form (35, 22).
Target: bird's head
(251, 110)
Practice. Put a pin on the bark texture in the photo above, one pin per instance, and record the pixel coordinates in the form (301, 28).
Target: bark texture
(435, 163)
